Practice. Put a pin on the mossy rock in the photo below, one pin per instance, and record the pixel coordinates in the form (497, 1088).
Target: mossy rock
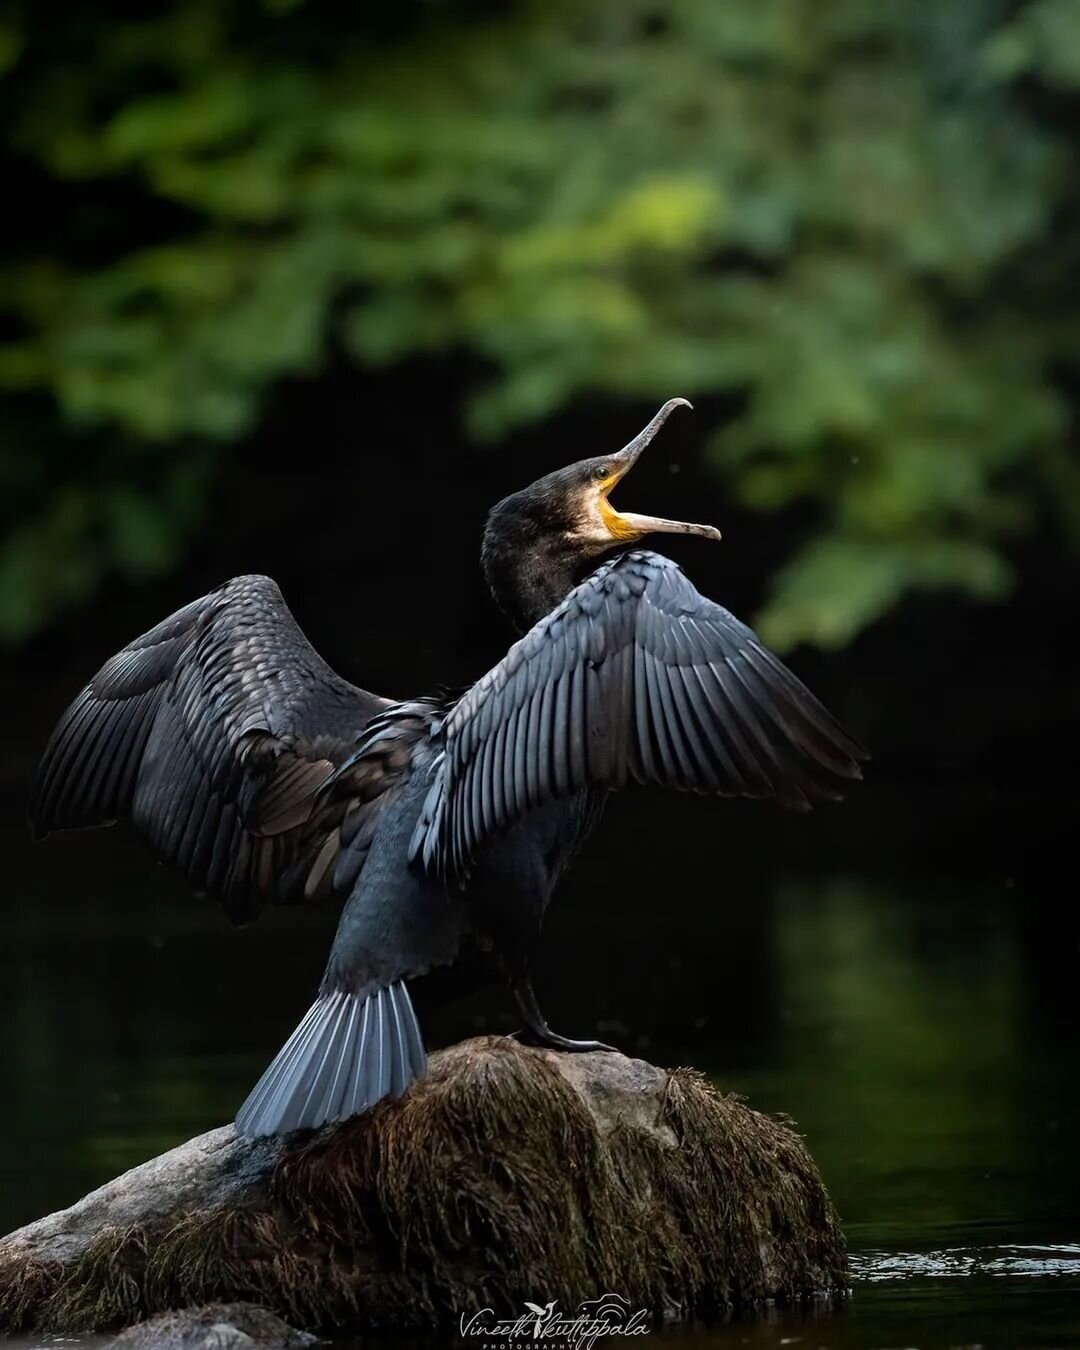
(507, 1174)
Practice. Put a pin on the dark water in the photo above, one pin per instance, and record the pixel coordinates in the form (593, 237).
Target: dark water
(921, 1029)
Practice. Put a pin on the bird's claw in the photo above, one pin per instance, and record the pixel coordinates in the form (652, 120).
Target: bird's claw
(537, 1031)
(551, 1040)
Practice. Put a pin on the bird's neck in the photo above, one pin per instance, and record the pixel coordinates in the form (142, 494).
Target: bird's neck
(529, 569)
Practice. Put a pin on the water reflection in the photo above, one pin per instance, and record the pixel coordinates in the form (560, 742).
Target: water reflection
(906, 1057)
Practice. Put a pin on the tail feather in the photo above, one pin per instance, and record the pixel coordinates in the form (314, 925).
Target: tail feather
(289, 1060)
(410, 1028)
(348, 1052)
(397, 1062)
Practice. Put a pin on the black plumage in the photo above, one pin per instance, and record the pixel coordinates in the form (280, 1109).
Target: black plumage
(212, 732)
(635, 675)
(441, 821)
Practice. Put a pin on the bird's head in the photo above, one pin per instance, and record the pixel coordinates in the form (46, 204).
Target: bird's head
(574, 502)
(539, 542)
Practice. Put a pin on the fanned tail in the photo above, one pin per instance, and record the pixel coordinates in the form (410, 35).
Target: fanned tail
(348, 1053)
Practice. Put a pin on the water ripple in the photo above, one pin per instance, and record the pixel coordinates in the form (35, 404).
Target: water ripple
(1006, 1261)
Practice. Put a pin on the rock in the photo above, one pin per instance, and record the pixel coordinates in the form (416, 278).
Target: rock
(218, 1326)
(507, 1174)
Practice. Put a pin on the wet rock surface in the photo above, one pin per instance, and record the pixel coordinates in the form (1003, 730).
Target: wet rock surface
(218, 1326)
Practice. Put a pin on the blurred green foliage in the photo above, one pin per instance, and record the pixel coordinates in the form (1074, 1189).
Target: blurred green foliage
(856, 218)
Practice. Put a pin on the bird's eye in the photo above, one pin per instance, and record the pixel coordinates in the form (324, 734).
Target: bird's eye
(601, 472)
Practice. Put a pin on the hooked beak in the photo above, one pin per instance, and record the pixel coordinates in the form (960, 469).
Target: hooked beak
(628, 524)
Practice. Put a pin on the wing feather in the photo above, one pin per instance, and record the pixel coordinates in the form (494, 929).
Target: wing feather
(697, 736)
(650, 771)
(214, 730)
(541, 746)
(634, 676)
(576, 721)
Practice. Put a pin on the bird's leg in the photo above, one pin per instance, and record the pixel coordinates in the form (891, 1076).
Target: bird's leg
(537, 1029)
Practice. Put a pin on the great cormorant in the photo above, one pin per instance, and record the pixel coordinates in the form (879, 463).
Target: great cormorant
(264, 776)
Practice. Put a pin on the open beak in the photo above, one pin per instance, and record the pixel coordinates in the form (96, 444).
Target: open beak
(628, 524)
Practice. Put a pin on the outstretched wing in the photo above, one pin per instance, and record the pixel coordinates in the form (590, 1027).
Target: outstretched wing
(635, 676)
(213, 733)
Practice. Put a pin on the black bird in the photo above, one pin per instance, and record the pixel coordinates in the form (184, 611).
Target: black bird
(441, 821)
